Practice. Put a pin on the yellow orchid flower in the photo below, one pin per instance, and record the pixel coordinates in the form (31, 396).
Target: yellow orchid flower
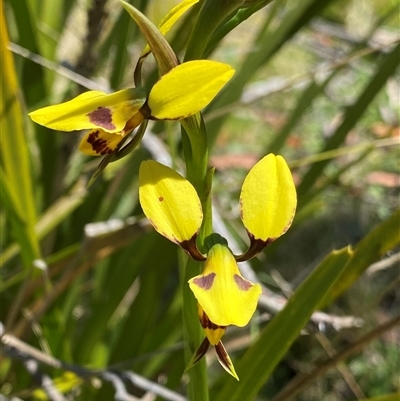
(268, 203)
(182, 92)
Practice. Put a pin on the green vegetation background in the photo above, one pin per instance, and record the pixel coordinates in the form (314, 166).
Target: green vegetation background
(86, 281)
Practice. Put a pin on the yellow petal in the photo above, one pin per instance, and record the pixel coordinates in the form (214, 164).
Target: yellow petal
(91, 110)
(169, 201)
(224, 295)
(97, 142)
(268, 198)
(187, 89)
(170, 19)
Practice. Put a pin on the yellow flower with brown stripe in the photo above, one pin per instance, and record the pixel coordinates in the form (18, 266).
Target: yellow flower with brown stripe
(180, 93)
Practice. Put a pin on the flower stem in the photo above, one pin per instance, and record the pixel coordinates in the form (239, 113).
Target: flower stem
(197, 389)
(194, 140)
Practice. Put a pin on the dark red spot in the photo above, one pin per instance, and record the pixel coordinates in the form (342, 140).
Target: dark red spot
(243, 284)
(102, 117)
(205, 282)
(206, 323)
(99, 145)
(161, 198)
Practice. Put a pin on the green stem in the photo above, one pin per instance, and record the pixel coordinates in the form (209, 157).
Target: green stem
(212, 14)
(241, 15)
(194, 140)
(197, 389)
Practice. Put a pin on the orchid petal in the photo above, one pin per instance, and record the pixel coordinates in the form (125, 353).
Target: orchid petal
(91, 110)
(98, 142)
(268, 199)
(169, 201)
(224, 295)
(187, 89)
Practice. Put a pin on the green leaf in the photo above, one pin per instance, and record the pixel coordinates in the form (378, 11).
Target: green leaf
(371, 248)
(57, 213)
(211, 15)
(16, 179)
(262, 357)
(241, 15)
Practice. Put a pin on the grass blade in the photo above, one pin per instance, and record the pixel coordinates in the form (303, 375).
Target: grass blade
(16, 164)
(380, 240)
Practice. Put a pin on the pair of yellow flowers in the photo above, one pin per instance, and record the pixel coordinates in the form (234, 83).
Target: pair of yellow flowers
(267, 206)
(170, 202)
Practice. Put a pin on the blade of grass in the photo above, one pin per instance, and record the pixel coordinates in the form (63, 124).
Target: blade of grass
(32, 73)
(240, 16)
(371, 248)
(52, 217)
(16, 165)
(212, 14)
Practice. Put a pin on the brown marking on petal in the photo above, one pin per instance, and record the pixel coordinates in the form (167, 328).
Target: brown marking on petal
(224, 359)
(223, 355)
(256, 246)
(99, 145)
(146, 112)
(161, 198)
(205, 282)
(191, 248)
(102, 117)
(201, 351)
(243, 284)
(206, 323)
(289, 223)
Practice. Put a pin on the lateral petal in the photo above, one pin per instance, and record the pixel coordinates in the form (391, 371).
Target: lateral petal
(187, 89)
(268, 198)
(224, 295)
(93, 109)
(169, 201)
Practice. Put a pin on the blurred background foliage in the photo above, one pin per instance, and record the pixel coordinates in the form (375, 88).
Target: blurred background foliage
(90, 301)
